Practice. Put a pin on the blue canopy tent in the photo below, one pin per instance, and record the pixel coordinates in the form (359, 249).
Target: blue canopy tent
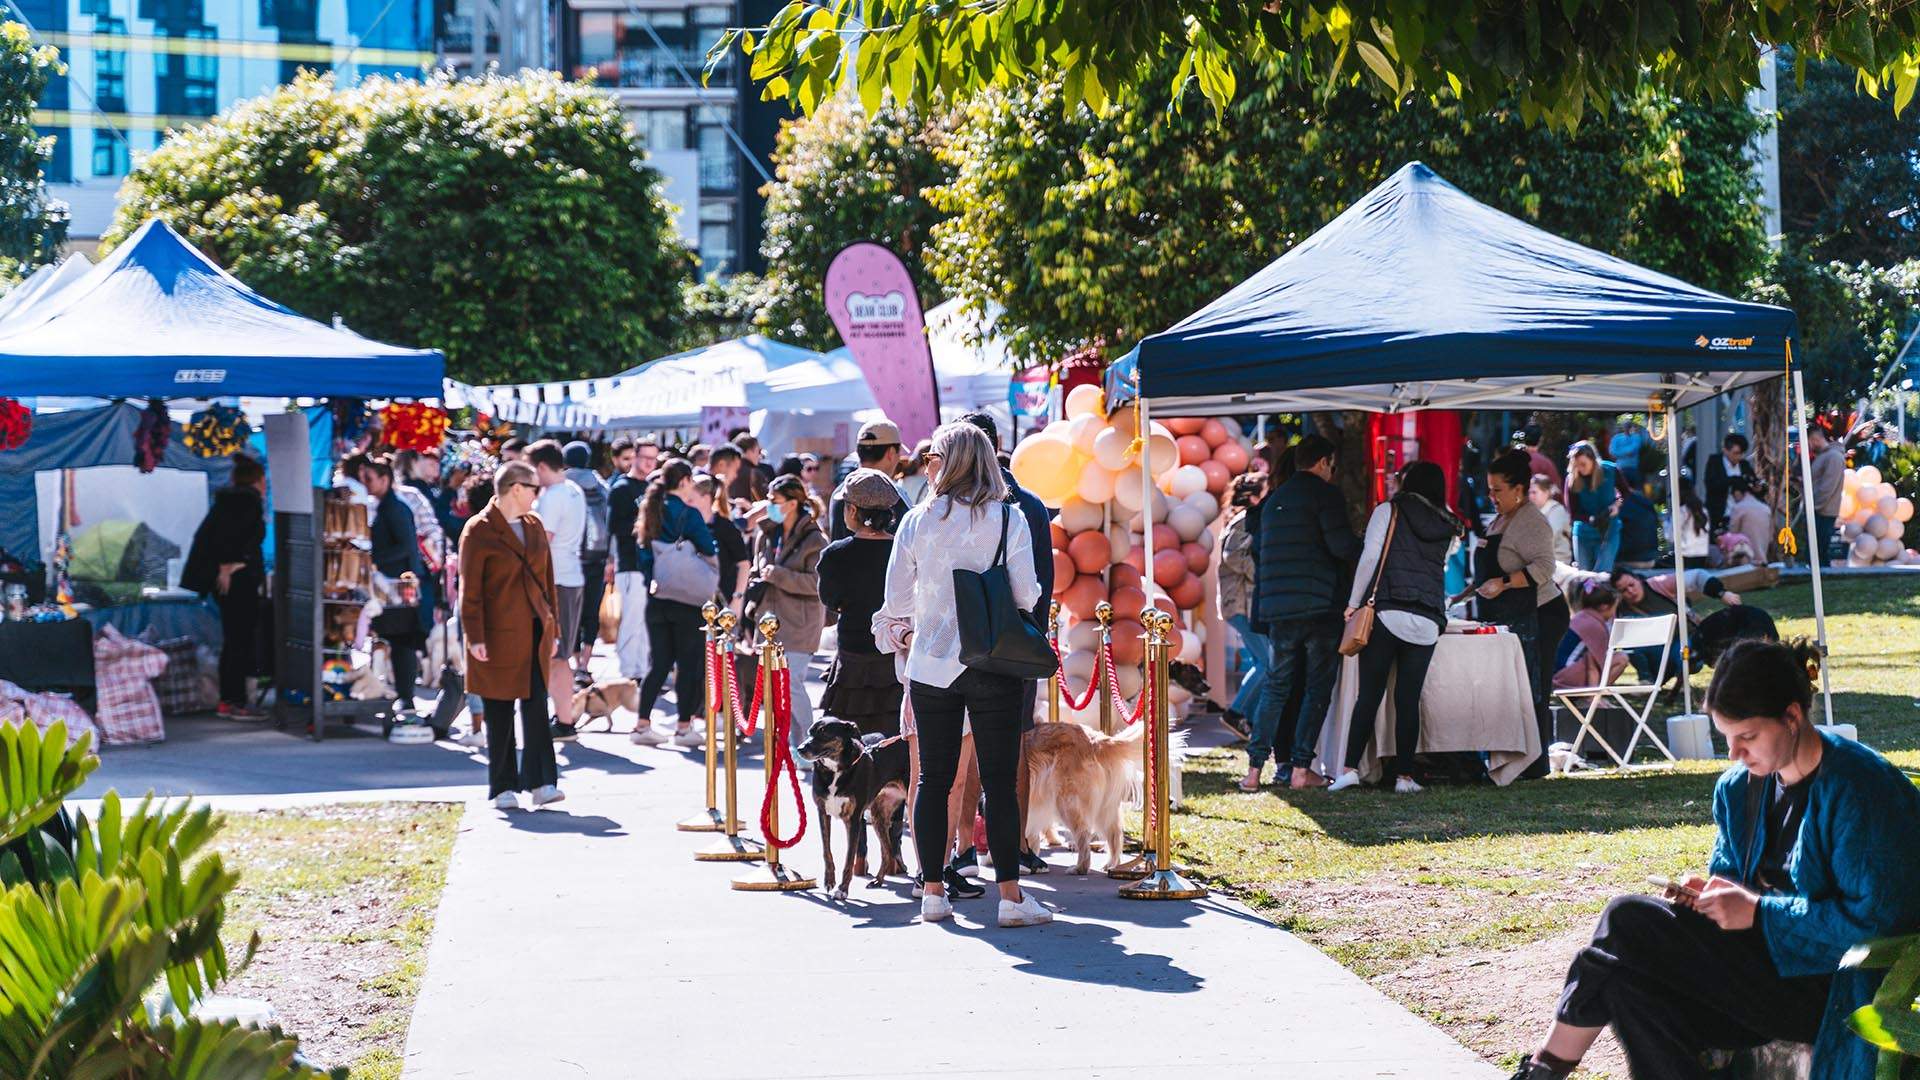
(156, 318)
(1420, 297)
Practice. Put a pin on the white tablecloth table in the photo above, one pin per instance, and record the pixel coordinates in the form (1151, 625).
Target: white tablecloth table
(1476, 699)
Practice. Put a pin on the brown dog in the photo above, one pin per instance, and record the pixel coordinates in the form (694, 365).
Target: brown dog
(1080, 779)
(597, 702)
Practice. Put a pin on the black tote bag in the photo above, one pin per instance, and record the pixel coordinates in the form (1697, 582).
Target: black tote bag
(995, 635)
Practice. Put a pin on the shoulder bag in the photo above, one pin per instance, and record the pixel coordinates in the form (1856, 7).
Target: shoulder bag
(1359, 626)
(682, 574)
(995, 635)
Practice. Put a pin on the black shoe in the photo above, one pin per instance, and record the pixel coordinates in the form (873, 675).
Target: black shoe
(1237, 724)
(1534, 1070)
(1032, 864)
(966, 864)
(959, 888)
(562, 732)
(582, 680)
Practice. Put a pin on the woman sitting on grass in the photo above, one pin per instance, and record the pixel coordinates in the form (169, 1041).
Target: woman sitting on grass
(1815, 851)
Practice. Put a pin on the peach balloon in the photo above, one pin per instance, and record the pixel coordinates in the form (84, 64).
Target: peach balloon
(1162, 454)
(1197, 556)
(1082, 430)
(1124, 574)
(1233, 456)
(1903, 509)
(1193, 449)
(1082, 595)
(1078, 515)
(1090, 551)
(1868, 474)
(1186, 480)
(1218, 475)
(1059, 535)
(1128, 598)
(1216, 433)
(1126, 491)
(1063, 572)
(1110, 448)
(1187, 592)
(1096, 483)
(1042, 465)
(1128, 648)
(1083, 400)
(1169, 567)
(1186, 425)
(1136, 561)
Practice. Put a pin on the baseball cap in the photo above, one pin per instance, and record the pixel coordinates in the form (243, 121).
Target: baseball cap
(879, 433)
(578, 455)
(870, 489)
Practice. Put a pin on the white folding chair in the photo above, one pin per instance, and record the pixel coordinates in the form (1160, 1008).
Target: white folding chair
(1636, 699)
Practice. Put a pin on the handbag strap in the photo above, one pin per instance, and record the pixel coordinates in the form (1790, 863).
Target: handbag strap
(1006, 521)
(1380, 567)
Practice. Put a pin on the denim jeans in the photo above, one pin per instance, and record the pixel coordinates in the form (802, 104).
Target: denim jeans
(1822, 537)
(1254, 684)
(1289, 641)
(1594, 549)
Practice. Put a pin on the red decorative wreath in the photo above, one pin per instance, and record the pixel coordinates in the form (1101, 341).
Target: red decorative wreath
(413, 426)
(16, 423)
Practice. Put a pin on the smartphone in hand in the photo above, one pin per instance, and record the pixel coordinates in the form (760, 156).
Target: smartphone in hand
(1671, 889)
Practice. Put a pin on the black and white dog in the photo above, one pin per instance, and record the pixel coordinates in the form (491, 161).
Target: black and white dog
(854, 778)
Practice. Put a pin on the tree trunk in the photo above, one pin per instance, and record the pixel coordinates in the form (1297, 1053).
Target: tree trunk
(1768, 442)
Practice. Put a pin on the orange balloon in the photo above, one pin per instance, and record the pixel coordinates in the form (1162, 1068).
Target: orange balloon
(1136, 561)
(1059, 535)
(1128, 601)
(1215, 432)
(1164, 537)
(1169, 566)
(1165, 603)
(1126, 574)
(1090, 551)
(1233, 456)
(1197, 557)
(1193, 449)
(1218, 475)
(1082, 595)
(1186, 425)
(1187, 592)
(1063, 572)
(1128, 646)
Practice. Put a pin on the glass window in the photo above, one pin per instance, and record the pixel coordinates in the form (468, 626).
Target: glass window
(662, 129)
(109, 71)
(597, 56)
(109, 153)
(649, 48)
(717, 253)
(718, 172)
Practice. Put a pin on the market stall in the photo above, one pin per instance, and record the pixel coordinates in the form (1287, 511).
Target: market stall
(1419, 297)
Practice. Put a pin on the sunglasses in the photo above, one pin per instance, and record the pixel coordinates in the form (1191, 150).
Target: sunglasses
(810, 468)
(522, 483)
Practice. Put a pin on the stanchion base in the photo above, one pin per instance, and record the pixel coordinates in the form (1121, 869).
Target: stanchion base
(772, 879)
(731, 849)
(1133, 869)
(1163, 885)
(708, 820)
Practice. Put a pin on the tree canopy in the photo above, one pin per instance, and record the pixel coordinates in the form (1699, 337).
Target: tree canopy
(31, 228)
(1554, 61)
(1106, 228)
(510, 223)
(1849, 170)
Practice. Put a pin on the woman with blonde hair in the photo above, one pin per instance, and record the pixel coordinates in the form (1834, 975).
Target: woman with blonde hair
(967, 524)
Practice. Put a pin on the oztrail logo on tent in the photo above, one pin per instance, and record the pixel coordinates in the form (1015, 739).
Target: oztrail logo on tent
(200, 375)
(1723, 343)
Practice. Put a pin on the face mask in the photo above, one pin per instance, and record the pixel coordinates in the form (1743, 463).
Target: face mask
(775, 514)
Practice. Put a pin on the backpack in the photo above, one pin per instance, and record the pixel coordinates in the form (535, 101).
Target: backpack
(596, 538)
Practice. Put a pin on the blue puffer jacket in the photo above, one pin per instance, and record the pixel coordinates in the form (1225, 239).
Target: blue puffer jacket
(1856, 877)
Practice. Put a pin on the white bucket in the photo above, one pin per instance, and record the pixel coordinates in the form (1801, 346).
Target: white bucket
(1690, 736)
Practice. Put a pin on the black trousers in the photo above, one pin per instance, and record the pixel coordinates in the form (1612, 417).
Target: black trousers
(1674, 985)
(239, 634)
(1383, 654)
(675, 636)
(588, 631)
(535, 766)
(992, 703)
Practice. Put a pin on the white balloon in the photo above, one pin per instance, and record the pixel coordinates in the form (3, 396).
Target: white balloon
(1189, 650)
(1079, 515)
(1082, 636)
(1903, 509)
(1876, 527)
(1186, 521)
(1861, 515)
(1204, 502)
(1178, 695)
(1127, 680)
(1200, 629)
(1078, 668)
(1160, 504)
(1187, 480)
(1864, 547)
(1082, 430)
(1887, 505)
(1110, 449)
(1855, 560)
(1849, 530)
(1120, 540)
(1896, 528)
(1126, 492)
(1868, 474)
(1889, 549)
(1205, 539)
(1866, 494)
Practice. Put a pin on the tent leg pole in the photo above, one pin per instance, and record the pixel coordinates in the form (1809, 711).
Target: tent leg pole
(1146, 510)
(1679, 560)
(1813, 556)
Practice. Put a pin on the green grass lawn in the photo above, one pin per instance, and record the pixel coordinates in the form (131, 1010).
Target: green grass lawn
(1465, 903)
(343, 898)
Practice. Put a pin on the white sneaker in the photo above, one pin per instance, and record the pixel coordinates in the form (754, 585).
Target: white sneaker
(1406, 785)
(1348, 779)
(644, 735)
(689, 737)
(476, 739)
(934, 908)
(547, 793)
(1028, 912)
(506, 800)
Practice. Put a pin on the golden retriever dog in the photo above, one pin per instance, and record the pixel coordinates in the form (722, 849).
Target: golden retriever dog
(598, 701)
(1080, 778)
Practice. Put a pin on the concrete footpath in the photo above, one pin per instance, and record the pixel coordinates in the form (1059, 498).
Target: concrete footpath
(585, 942)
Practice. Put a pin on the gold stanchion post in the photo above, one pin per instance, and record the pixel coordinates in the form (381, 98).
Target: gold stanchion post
(709, 820)
(771, 877)
(1053, 684)
(732, 847)
(1142, 863)
(1164, 883)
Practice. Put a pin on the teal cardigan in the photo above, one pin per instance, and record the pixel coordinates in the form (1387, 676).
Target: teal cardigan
(1856, 877)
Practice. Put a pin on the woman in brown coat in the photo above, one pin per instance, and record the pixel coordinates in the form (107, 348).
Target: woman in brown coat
(786, 583)
(507, 603)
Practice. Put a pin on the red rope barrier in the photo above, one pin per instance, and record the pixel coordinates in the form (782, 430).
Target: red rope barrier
(1093, 684)
(782, 760)
(745, 725)
(1120, 703)
(1148, 804)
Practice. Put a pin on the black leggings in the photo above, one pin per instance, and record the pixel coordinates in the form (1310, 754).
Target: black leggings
(992, 703)
(535, 766)
(675, 632)
(239, 634)
(1673, 984)
(1383, 654)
